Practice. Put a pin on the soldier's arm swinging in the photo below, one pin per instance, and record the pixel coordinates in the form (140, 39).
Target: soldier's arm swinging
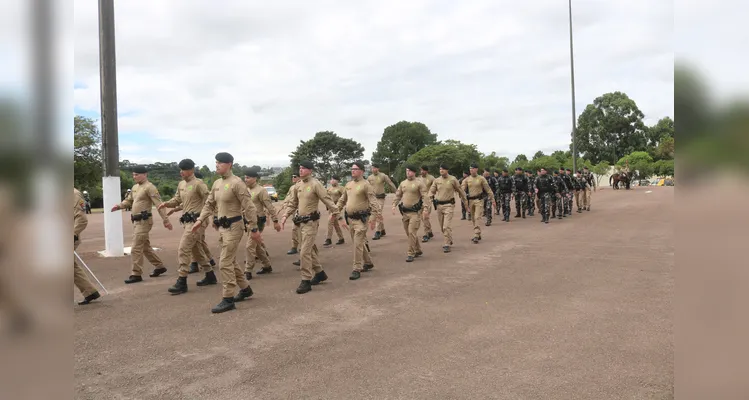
(127, 203)
(174, 201)
(461, 192)
(209, 208)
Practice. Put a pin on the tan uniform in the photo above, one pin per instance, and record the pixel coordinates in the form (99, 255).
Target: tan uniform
(229, 198)
(265, 211)
(190, 197)
(378, 182)
(305, 197)
(80, 221)
(295, 230)
(411, 191)
(141, 199)
(357, 200)
(201, 250)
(443, 190)
(477, 186)
(428, 180)
(335, 193)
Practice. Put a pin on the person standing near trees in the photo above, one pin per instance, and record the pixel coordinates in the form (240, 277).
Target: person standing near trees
(546, 188)
(428, 179)
(531, 192)
(413, 192)
(476, 188)
(590, 178)
(378, 181)
(142, 198)
(264, 206)
(442, 196)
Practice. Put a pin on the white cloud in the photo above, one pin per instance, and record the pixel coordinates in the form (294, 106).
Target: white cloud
(255, 77)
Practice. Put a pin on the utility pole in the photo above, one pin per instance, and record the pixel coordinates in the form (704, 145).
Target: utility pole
(113, 238)
(572, 82)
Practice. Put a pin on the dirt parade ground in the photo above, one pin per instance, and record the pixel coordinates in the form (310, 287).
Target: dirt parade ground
(575, 309)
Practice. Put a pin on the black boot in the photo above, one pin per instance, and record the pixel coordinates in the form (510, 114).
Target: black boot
(382, 232)
(292, 251)
(304, 287)
(194, 267)
(209, 279)
(523, 213)
(243, 294)
(248, 275)
(297, 263)
(133, 279)
(425, 238)
(328, 242)
(93, 296)
(157, 272)
(265, 270)
(226, 304)
(354, 275)
(367, 267)
(213, 263)
(179, 287)
(319, 277)
(340, 241)
(377, 235)
(445, 249)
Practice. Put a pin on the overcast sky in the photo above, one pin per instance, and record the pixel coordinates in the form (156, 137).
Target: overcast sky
(255, 77)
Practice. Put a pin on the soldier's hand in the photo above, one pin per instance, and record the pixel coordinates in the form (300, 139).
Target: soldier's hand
(172, 211)
(256, 237)
(372, 225)
(277, 226)
(116, 207)
(393, 210)
(196, 227)
(161, 206)
(283, 223)
(343, 224)
(168, 225)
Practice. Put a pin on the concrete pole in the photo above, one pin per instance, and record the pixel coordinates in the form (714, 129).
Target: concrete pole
(572, 82)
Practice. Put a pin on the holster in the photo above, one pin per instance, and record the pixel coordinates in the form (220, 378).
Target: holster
(261, 220)
(381, 196)
(225, 222)
(303, 219)
(188, 217)
(143, 215)
(359, 215)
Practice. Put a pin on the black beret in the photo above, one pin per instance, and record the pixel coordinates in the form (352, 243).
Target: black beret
(467, 172)
(444, 166)
(542, 169)
(224, 157)
(569, 170)
(518, 169)
(425, 168)
(336, 177)
(504, 170)
(186, 164)
(359, 164)
(556, 172)
(307, 165)
(487, 170)
(474, 165)
(295, 175)
(251, 173)
(374, 165)
(585, 167)
(411, 167)
(140, 169)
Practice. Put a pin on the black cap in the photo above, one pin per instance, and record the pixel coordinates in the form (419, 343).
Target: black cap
(140, 169)
(569, 170)
(375, 165)
(295, 175)
(186, 164)
(251, 173)
(466, 173)
(425, 168)
(359, 164)
(585, 168)
(444, 166)
(518, 169)
(411, 167)
(504, 170)
(307, 164)
(474, 165)
(542, 169)
(556, 172)
(336, 177)
(224, 157)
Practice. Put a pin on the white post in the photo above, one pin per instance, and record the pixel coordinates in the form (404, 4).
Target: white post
(113, 237)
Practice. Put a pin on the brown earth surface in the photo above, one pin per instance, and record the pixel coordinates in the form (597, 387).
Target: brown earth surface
(576, 309)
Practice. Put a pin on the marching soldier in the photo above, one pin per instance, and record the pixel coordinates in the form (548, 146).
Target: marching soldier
(521, 192)
(562, 193)
(264, 206)
(190, 196)
(335, 192)
(143, 197)
(463, 207)
(566, 176)
(201, 250)
(359, 204)
(488, 200)
(591, 185)
(378, 181)
(581, 187)
(495, 175)
(442, 196)
(477, 188)
(307, 193)
(413, 192)
(531, 192)
(546, 187)
(505, 190)
(80, 221)
(295, 229)
(428, 180)
(233, 212)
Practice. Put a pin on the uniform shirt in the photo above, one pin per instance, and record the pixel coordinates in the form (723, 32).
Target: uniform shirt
(428, 180)
(358, 195)
(143, 197)
(190, 196)
(589, 178)
(306, 196)
(560, 183)
(581, 183)
(521, 183)
(476, 185)
(378, 181)
(80, 220)
(229, 198)
(546, 184)
(492, 181)
(411, 191)
(335, 193)
(505, 184)
(262, 202)
(444, 189)
(532, 184)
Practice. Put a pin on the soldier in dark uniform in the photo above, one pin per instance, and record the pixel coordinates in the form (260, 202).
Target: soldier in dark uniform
(463, 206)
(521, 192)
(562, 190)
(567, 177)
(495, 174)
(546, 189)
(487, 200)
(531, 192)
(590, 179)
(505, 190)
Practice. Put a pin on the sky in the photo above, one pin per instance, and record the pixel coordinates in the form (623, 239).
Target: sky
(255, 78)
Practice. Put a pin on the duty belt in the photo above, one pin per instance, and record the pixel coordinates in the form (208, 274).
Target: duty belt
(188, 217)
(481, 196)
(143, 215)
(414, 208)
(359, 215)
(303, 219)
(225, 222)
(439, 202)
(381, 195)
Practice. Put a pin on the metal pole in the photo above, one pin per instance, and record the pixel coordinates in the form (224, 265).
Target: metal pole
(572, 83)
(108, 89)
(113, 238)
(90, 272)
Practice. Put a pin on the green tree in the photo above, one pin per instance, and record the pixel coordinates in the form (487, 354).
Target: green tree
(664, 168)
(167, 189)
(282, 182)
(638, 161)
(87, 158)
(663, 129)
(600, 170)
(611, 128)
(126, 182)
(401, 141)
(549, 162)
(538, 154)
(520, 161)
(494, 162)
(458, 156)
(331, 154)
